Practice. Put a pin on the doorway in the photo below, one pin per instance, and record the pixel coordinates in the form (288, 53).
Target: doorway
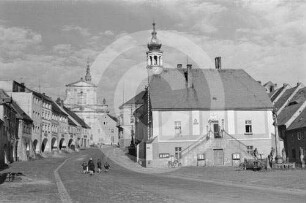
(218, 157)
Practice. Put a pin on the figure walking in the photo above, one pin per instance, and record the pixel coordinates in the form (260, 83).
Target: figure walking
(99, 165)
(91, 166)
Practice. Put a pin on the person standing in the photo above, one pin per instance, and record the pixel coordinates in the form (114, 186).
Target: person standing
(91, 166)
(99, 165)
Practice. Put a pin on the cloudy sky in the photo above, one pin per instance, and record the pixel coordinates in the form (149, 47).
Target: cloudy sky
(47, 43)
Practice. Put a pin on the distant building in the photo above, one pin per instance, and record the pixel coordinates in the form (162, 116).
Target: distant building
(25, 125)
(8, 115)
(81, 98)
(201, 116)
(127, 120)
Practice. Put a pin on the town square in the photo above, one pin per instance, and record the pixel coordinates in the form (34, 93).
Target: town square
(152, 101)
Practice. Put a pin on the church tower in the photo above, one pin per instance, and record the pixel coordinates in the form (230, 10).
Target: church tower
(88, 76)
(154, 55)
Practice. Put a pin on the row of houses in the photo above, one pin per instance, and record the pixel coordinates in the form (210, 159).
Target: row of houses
(290, 106)
(32, 123)
(198, 116)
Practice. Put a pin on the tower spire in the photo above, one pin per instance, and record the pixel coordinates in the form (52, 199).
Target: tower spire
(87, 76)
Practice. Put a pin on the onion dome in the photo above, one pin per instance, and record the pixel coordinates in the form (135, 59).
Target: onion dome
(154, 44)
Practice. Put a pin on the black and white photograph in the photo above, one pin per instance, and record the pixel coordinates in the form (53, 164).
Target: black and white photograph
(152, 101)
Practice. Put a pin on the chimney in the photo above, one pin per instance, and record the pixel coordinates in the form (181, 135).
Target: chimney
(218, 62)
(189, 76)
(179, 66)
(259, 82)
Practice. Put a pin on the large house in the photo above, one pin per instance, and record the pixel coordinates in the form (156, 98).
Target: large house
(201, 116)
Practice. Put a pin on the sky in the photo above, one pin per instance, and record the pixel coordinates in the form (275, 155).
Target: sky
(46, 44)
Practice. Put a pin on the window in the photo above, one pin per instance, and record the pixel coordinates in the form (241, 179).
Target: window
(178, 151)
(112, 130)
(177, 127)
(250, 149)
(248, 127)
(216, 130)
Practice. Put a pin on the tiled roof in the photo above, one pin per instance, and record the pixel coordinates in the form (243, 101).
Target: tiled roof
(56, 109)
(282, 100)
(113, 117)
(76, 118)
(20, 113)
(279, 90)
(299, 122)
(287, 113)
(71, 122)
(135, 100)
(225, 89)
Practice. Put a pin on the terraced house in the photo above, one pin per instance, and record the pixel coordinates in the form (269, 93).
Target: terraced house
(290, 103)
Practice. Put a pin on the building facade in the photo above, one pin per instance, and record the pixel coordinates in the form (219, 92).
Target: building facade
(81, 98)
(201, 116)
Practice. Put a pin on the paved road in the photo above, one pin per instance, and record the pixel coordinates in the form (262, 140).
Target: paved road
(122, 185)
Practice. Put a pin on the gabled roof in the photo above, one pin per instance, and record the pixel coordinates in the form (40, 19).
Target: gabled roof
(299, 122)
(293, 105)
(285, 96)
(113, 117)
(56, 109)
(20, 113)
(71, 122)
(287, 113)
(135, 100)
(4, 98)
(223, 89)
(76, 118)
(81, 81)
(279, 90)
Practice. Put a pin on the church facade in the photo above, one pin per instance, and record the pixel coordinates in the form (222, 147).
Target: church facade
(81, 98)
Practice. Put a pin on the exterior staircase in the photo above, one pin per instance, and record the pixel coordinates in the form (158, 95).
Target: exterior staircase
(190, 154)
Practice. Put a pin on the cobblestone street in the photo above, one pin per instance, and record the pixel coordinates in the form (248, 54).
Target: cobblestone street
(122, 185)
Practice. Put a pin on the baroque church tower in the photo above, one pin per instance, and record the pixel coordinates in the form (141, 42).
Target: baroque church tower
(81, 98)
(154, 55)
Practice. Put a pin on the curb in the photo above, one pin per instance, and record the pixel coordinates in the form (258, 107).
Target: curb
(64, 195)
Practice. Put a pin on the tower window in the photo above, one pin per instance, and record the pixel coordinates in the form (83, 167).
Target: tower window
(155, 60)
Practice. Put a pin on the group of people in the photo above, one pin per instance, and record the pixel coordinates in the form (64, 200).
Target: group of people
(90, 166)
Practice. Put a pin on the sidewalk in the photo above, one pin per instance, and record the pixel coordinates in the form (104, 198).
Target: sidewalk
(281, 180)
(120, 158)
(37, 183)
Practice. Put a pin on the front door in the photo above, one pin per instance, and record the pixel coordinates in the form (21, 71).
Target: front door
(218, 157)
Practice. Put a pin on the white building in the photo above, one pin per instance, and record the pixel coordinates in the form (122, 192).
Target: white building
(81, 98)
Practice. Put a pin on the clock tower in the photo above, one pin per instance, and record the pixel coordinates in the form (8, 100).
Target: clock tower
(154, 55)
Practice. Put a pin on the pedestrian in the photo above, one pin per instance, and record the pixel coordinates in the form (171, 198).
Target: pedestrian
(99, 165)
(106, 166)
(84, 166)
(91, 166)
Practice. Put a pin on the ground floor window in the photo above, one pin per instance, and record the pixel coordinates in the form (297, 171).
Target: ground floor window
(250, 149)
(178, 151)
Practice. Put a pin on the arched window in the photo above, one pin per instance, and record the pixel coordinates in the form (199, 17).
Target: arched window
(155, 60)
